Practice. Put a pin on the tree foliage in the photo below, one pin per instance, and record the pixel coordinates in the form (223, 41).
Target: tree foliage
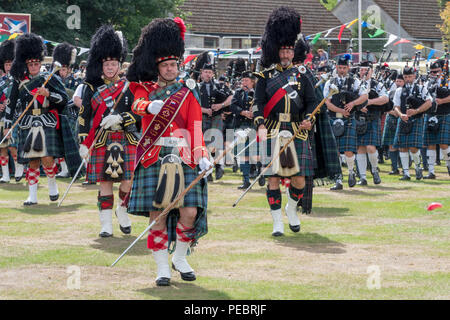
(49, 17)
(445, 26)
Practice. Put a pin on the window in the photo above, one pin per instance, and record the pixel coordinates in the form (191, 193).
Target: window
(236, 43)
(209, 42)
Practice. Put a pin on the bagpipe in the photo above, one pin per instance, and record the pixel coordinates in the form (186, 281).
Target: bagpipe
(219, 94)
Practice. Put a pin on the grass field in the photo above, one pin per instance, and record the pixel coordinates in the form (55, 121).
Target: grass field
(374, 242)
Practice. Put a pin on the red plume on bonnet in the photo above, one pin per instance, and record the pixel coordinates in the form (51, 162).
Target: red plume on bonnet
(181, 25)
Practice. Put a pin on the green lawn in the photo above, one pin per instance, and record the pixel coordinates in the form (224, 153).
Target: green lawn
(386, 227)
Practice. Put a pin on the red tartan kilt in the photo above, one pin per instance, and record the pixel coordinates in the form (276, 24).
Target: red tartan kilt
(97, 160)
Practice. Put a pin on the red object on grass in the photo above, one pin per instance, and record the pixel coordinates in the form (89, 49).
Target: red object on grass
(434, 205)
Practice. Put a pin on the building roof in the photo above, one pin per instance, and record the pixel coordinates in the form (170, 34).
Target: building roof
(237, 17)
(418, 17)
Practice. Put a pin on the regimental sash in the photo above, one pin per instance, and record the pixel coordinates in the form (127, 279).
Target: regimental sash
(160, 123)
(279, 87)
(101, 100)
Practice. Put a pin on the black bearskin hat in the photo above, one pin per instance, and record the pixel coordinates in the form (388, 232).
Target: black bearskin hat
(202, 61)
(408, 70)
(282, 29)
(437, 64)
(29, 47)
(106, 44)
(239, 67)
(160, 40)
(301, 50)
(6, 53)
(65, 54)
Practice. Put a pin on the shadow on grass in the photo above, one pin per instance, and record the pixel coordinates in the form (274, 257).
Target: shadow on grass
(359, 192)
(117, 245)
(329, 212)
(14, 186)
(311, 242)
(49, 209)
(384, 187)
(180, 290)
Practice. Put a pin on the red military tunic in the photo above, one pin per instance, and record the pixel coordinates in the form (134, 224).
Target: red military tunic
(187, 124)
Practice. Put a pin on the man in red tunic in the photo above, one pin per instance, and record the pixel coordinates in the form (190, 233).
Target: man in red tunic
(170, 148)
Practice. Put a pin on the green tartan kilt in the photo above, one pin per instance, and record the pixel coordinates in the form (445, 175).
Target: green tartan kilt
(145, 183)
(412, 140)
(390, 126)
(14, 139)
(372, 137)
(346, 142)
(304, 156)
(442, 136)
(211, 123)
(53, 144)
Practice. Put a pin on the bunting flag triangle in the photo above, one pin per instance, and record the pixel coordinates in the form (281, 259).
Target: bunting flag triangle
(419, 46)
(431, 54)
(391, 39)
(377, 33)
(402, 40)
(316, 38)
(340, 32)
(351, 23)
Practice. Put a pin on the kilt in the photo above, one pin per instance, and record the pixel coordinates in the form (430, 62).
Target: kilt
(146, 180)
(211, 123)
(97, 160)
(390, 126)
(346, 142)
(53, 144)
(443, 134)
(412, 140)
(372, 136)
(304, 154)
(14, 141)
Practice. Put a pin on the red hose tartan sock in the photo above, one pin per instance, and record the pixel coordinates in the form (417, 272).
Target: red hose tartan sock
(3, 161)
(51, 171)
(157, 240)
(32, 176)
(182, 231)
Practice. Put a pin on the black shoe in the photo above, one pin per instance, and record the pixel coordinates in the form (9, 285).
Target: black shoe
(405, 177)
(351, 179)
(59, 175)
(105, 235)
(18, 179)
(210, 178)
(430, 176)
(1, 181)
(419, 174)
(125, 230)
(29, 203)
(163, 282)
(394, 172)
(262, 181)
(186, 276)
(337, 186)
(244, 186)
(376, 177)
(54, 198)
(219, 172)
(235, 166)
(362, 182)
(277, 234)
(295, 228)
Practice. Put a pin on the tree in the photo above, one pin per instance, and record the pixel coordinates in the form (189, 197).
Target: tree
(368, 45)
(49, 17)
(445, 26)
